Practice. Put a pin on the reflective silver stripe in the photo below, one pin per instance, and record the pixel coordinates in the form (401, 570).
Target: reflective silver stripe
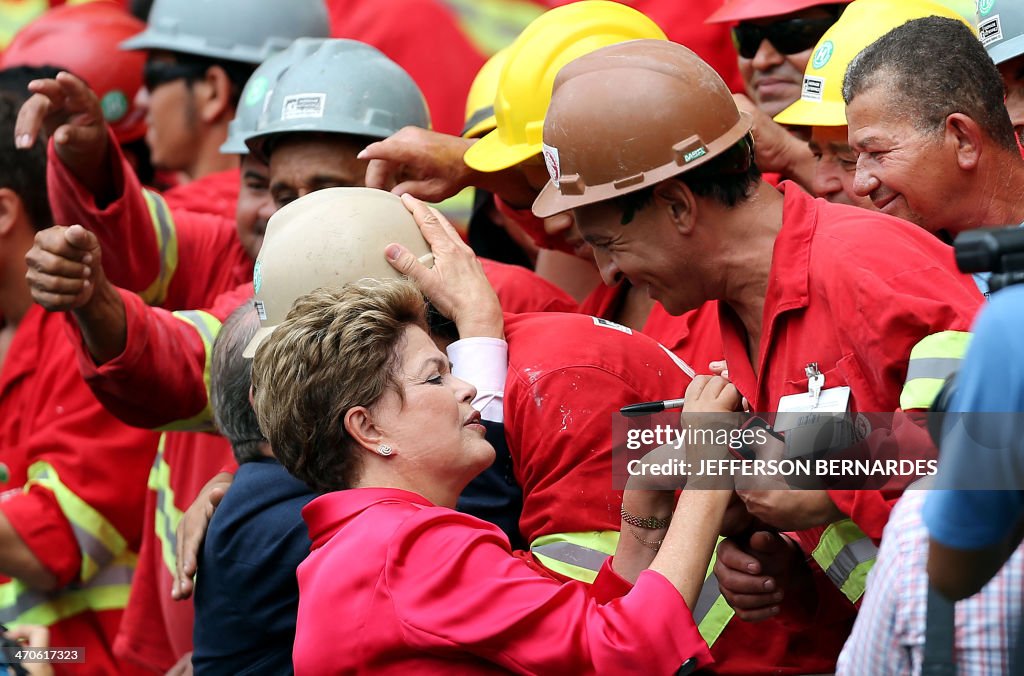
(163, 222)
(88, 543)
(195, 318)
(29, 599)
(574, 555)
(163, 517)
(849, 557)
(932, 367)
(709, 593)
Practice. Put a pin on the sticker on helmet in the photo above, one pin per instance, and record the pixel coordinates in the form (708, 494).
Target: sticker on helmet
(990, 30)
(822, 54)
(812, 88)
(551, 162)
(261, 310)
(298, 106)
(612, 325)
(985, 6)
(256, 90)
(257, 276)
(114, 105)
(694, 154)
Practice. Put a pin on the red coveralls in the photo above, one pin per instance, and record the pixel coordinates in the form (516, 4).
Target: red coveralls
(568, 375)
(424, 38)
(856, 292)
(183, 260)
(396, 585)
(215, 194)
(73, 482)
(180, 258)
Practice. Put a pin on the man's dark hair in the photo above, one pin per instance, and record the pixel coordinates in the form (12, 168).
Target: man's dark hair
(729, 178)
(23, 171)
(931, 68)
(230, 380)
(238, 72)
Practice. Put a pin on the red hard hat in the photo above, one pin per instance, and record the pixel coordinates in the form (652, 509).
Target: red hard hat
(745, 10)
(84, 40)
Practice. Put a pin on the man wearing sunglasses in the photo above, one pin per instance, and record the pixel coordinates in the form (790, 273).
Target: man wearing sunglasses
(773, 40)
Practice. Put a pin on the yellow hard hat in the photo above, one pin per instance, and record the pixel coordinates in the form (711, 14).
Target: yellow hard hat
(524, 87)
(480, 101)
(864, 21)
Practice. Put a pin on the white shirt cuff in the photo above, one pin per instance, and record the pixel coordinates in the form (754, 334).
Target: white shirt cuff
(483, 362)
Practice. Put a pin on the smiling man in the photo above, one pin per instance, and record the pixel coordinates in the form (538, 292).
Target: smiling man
(935, 144)
(654, 159)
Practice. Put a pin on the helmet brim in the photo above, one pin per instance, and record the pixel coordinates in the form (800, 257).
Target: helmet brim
(551, 201)
(814, 114)
(491, 154)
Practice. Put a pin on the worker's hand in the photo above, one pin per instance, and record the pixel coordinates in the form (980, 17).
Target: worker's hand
(33, 636)
(776, 149)
(755, 576)
(192, 532)
(426, 164)
(183, 667)
(64, 267)
(456, 284)
(792, 509)
(65, 109)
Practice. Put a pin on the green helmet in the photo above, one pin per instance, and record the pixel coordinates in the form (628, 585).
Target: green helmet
(257, 92)
(1001, 28)
(234, 30)
(345, 87)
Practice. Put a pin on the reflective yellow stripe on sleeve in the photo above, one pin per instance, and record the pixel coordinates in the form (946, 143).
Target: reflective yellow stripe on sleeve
(581, 555)
(576, 555)
(846, 555)
(14, 14)
(107, 590)
(493, 24)
(167, 242)
(107, 563)
(98, 539)
(167, 516)
(207, 326)
(932, 360)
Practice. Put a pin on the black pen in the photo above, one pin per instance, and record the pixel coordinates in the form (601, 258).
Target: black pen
(649, 407)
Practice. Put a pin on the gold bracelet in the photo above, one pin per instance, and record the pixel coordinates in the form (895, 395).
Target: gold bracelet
(648, 522)
(650, 544)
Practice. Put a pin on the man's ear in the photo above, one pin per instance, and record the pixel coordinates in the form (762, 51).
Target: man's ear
(213, 95)
(360, 425)
(966, 137)
(678, 200)
(12, 210)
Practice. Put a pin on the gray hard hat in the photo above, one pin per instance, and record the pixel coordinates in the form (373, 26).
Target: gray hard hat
(345, 87)
(257, 91)
(1001, 28)
(235, 30)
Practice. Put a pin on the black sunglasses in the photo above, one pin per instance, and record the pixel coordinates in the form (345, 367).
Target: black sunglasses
(156, 73)
(788, 37)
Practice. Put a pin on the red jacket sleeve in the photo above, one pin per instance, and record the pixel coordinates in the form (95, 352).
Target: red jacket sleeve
(520, 290)
(145, 244)
(489, 603)
(82, 455)
(161, 378)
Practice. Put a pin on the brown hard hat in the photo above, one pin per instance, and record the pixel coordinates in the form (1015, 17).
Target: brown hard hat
(630, 115)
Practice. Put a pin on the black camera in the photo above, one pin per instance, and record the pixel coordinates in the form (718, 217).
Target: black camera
(996, 250)
(999, 251)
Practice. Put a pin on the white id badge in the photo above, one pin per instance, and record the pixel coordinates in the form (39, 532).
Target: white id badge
(797, 410)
